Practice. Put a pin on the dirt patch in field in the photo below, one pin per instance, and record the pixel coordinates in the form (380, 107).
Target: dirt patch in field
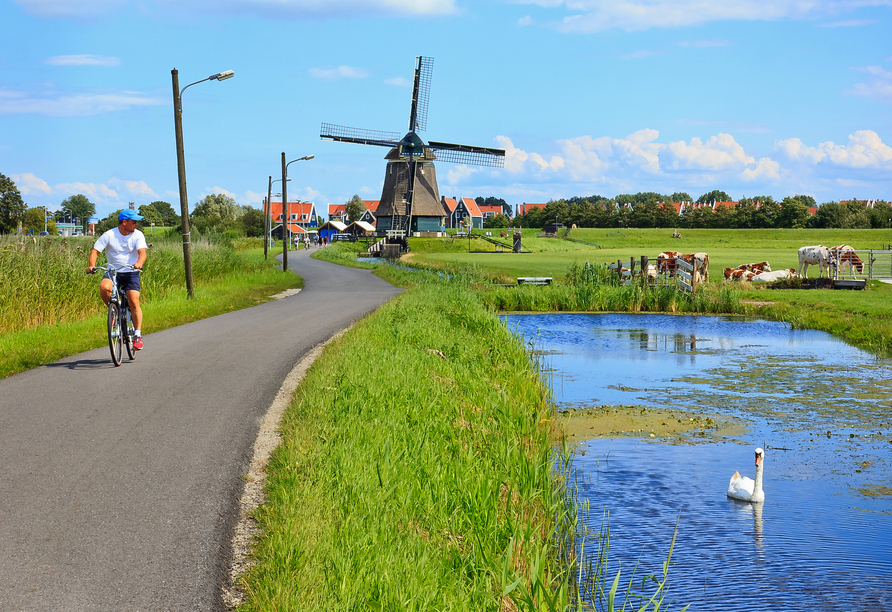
(675, 426)
(757, 302)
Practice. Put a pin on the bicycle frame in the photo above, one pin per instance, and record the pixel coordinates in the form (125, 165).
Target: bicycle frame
(120, 326)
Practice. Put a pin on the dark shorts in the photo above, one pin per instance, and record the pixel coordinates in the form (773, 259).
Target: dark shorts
(127, 281)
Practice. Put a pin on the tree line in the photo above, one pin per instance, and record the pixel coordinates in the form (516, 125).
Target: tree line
(653, 210)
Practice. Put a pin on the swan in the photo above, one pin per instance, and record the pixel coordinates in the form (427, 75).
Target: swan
(745, 489)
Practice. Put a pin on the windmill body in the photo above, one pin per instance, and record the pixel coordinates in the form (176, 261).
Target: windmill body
(410, 199)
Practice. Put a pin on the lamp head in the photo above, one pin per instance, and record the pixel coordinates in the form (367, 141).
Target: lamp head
(222, 76)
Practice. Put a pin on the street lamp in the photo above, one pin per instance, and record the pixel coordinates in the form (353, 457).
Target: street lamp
(267, 212)
(181, 163)
(284, 180)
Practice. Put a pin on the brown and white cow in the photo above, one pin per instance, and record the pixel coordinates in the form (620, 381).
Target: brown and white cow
(701, 266)
(755, 268)
(666, 262)
(846, 257)
(817, 255)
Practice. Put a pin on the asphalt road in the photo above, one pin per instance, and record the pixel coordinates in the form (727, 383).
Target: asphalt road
(119, 487)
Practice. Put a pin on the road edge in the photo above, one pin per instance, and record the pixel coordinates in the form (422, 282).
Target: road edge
(253, 495)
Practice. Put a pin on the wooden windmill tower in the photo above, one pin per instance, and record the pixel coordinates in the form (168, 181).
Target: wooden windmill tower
(410, 200)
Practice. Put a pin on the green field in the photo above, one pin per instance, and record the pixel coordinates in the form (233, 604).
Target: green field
(726, 248)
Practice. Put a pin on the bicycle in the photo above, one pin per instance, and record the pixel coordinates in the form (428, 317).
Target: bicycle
(120, 326)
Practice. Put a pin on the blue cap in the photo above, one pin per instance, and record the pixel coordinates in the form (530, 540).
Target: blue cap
(128, 213)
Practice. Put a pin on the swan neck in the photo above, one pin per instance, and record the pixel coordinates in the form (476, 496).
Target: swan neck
(757, 485)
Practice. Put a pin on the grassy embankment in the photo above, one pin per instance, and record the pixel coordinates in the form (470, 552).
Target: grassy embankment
(863, 318)
(50, 309)
(417, 471)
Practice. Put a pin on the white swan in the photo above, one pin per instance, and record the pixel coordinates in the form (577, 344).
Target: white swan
(745, 489)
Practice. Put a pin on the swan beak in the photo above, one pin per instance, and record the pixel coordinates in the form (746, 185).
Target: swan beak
(758, 459)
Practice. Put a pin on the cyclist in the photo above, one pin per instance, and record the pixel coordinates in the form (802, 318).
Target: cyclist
(124, 246)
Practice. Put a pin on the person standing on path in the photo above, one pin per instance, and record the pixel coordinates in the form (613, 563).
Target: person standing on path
(123, 246)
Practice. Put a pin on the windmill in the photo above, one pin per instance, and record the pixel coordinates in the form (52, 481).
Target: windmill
(410, 199)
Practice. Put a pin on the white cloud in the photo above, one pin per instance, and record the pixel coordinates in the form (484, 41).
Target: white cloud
(720, 152)
(398, 81)
(28, 183)
(83, 60)
(338, 72)
(852, 23)
(72, 105)
(765, 169)
(254, 198)
(279, 9)
(96, 191)
(135, 187)
(525, 21)
(457, 173)
(221, 191)
(589, 16)
(865, 150)
(878, 86)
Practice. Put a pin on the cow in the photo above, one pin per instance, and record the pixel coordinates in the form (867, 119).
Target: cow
(701, 266)
(755, 268)
(666, 262)
(770, 277)
(738, 274)
(817, 255)
(846, 256)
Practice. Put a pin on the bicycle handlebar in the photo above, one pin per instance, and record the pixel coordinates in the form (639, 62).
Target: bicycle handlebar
(110, 267)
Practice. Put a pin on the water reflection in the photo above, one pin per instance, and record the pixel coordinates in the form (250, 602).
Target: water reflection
(814, 543)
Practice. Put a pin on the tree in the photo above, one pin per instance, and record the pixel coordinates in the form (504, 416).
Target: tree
(252, 222)
(714, 196)
(355, 208)
(34, 220)
(507, 209)
(77, 207)
(161, 213)
(793, 214)
(12, 207)
(216, 213)
(499, 220)
(680, 196)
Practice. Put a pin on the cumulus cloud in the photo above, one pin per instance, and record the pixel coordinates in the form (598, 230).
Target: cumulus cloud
(720, 152)
(589, 16)
(77, 9)
(851, 23)
(83, 60)
(864, 150)
(765, 169)
(72, 105)
(28, 184)
(134, 187)
(456, 174)
(338, 72)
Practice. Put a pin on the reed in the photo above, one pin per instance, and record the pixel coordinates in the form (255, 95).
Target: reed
(43, 282)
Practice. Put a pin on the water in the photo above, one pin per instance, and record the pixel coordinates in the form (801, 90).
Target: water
(820, 541)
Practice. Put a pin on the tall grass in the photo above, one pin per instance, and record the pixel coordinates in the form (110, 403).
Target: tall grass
(44, 282)
(415, 471)
(593, 288)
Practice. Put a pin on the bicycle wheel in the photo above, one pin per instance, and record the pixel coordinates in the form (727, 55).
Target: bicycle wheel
(115, 339)
(128, 333)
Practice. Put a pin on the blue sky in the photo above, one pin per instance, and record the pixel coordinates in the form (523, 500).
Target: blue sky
(586, 96)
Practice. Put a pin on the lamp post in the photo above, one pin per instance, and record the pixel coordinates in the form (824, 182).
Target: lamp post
(181, 164)
(267, 214)
(285, 204)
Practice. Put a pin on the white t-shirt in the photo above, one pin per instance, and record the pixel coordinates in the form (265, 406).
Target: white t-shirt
(121, 250)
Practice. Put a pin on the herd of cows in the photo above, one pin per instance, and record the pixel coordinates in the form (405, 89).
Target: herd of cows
(842, 256)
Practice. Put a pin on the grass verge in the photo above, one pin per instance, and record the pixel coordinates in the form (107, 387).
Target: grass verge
(415, 472)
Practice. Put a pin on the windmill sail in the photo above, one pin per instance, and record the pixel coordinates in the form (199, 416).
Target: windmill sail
(410, 200)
